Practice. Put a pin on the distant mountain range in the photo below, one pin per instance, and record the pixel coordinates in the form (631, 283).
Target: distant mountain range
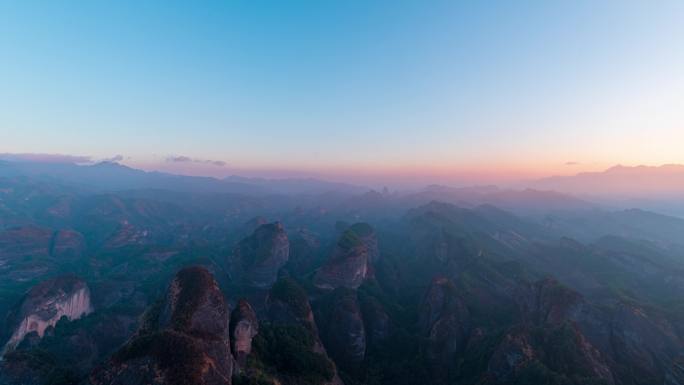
(111, 176)
(639, 181)
(526, 200)
(655, 188)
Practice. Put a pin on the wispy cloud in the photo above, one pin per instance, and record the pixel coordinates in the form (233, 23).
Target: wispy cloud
(218, 163)
(178, 159)
(115, 158)
(187, 159)
(46, 158)
(572, 163)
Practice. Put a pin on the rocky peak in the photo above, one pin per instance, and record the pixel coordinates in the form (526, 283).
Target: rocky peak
(259, 257)
(185, 339)
(195, 304)
(46, 303)
(243, 328)
(349, 264)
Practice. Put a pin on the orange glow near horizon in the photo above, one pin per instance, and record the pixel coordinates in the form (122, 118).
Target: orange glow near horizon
(492, 173)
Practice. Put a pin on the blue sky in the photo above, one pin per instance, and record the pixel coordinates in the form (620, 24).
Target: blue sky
(345, 88)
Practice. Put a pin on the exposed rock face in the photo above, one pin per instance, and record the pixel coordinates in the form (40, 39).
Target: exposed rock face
(46, 303)
(445, 322)
(344, 333)
(349, 264)
(259, 257)
(243, 328)
(69, 351)
(186, 342)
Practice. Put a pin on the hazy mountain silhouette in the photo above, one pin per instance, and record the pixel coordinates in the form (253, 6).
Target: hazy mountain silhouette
(639, 181)
(111, 176)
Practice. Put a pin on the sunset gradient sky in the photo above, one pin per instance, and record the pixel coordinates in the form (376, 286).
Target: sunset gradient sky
(346, 89)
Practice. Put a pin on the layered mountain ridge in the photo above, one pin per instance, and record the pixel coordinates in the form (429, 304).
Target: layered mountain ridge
(170, 287)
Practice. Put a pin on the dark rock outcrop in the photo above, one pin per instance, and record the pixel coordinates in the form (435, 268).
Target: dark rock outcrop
(288, 303)
(375, 320)
(22, 368)
(289, 327)
(258, 258)
(343, 330)
(184, 341)
(444, 321)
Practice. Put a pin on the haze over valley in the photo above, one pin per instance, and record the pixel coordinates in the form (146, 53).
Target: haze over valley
(105, 268)
(342, 193)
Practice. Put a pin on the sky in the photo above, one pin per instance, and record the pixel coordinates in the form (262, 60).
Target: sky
(350, 90)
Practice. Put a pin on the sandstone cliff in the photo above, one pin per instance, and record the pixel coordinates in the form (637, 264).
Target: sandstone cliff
(46, 303)
(350, 262)
(185, 339)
